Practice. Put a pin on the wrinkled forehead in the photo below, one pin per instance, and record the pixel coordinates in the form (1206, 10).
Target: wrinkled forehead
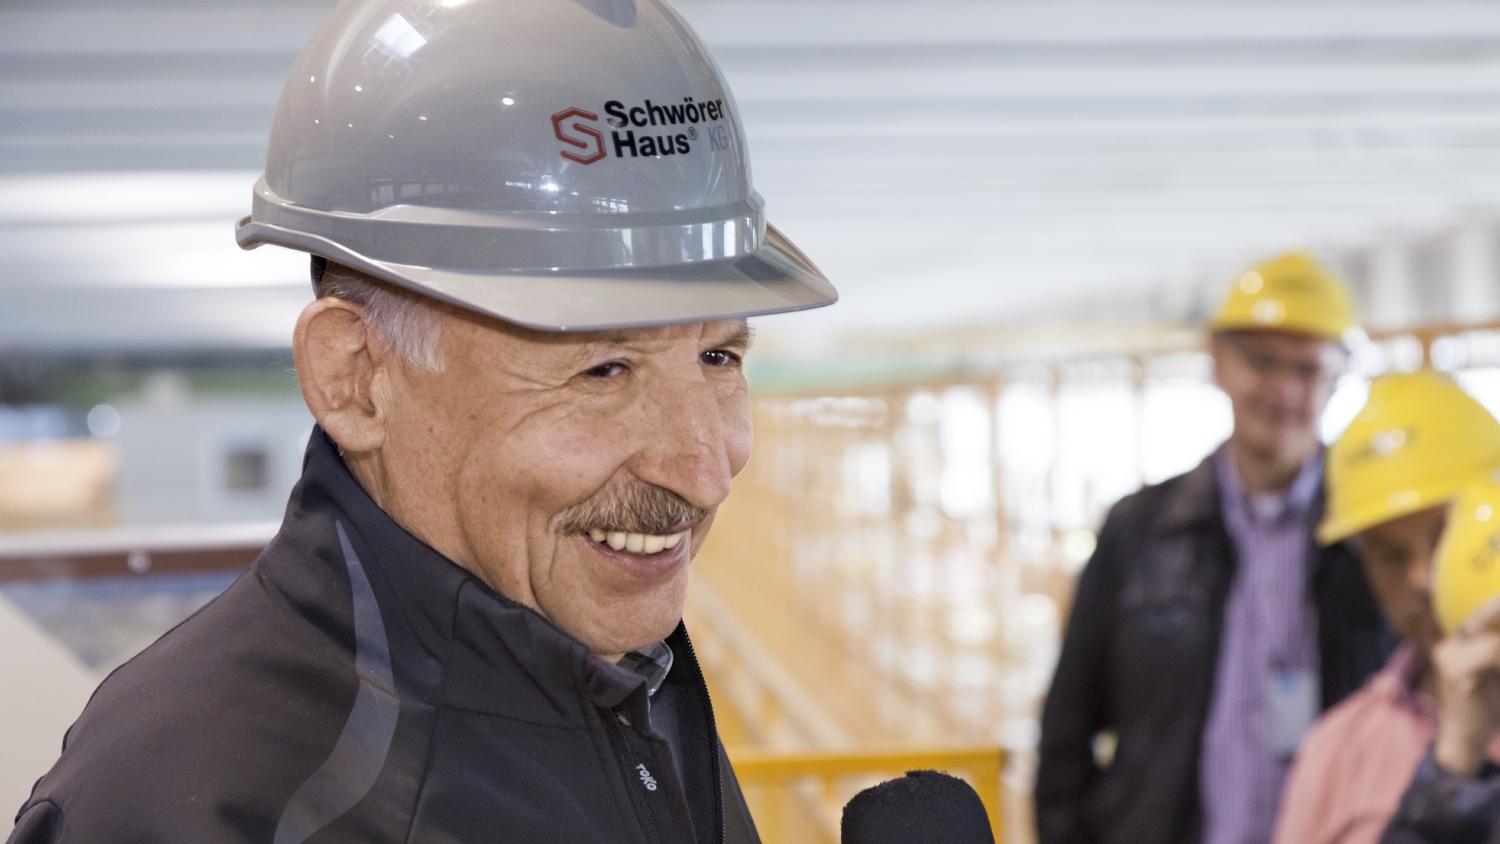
(731, 334)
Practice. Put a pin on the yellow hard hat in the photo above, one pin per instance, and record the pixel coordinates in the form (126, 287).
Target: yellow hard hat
(1468, 559)
(1417, 442)
(1289, 293)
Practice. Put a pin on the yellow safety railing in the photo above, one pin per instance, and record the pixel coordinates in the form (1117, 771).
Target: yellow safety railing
(798, 797)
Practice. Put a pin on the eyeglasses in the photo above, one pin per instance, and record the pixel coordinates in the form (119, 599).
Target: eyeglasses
(1268, 365)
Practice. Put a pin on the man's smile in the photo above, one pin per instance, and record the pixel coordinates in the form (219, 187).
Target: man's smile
(637, 543)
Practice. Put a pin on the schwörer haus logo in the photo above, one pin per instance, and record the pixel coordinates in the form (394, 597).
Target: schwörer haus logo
(642, 130)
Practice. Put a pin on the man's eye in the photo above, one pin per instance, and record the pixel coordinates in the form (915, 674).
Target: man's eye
(720, 357)
(1396, 559)
(607, 370)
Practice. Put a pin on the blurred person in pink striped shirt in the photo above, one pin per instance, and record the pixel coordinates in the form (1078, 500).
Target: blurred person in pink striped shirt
(1408, 758)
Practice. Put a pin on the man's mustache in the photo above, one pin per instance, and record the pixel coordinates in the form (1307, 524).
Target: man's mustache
(640, 508)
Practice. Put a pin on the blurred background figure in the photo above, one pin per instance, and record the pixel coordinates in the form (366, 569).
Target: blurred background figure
(1031, 209)
(1418, 442)
(1208, 629)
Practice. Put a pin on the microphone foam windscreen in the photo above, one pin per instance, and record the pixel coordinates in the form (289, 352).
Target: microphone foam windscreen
(923, 806)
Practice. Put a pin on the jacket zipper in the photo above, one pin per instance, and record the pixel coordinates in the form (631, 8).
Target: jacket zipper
(621, 747)
(713, 730)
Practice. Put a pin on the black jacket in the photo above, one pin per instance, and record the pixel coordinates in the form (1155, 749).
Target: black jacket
(1443, 808)
(1139, 657)
(353, 685)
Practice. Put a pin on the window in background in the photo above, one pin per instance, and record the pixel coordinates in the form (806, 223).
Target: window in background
(1026, 441)
(247, 468)
(967, 489)
(1098, 456)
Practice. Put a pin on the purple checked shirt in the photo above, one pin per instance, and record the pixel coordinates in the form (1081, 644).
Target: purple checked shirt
(1270, 629)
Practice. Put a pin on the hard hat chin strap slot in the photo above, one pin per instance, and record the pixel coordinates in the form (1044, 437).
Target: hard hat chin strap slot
(318, 268)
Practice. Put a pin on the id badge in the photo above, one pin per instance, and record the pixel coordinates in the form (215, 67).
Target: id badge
(1294, 708)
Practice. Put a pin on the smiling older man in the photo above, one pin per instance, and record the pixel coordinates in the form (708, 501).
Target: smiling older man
(525, 365)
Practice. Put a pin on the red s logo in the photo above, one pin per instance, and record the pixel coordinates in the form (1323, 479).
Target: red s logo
(569, 127)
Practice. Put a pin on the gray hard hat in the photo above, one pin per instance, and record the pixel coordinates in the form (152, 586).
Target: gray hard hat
(560, 164)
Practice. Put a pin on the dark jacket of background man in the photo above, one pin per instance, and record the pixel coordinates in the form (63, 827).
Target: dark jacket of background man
(1138, 661)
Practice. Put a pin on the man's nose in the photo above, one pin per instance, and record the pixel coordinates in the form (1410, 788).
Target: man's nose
(1287, 387)
(1419, 574)
(686, 442)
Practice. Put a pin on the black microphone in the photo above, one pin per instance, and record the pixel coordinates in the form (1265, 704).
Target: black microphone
(923, 806)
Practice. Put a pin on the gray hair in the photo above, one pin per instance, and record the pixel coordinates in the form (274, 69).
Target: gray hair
(407, 321)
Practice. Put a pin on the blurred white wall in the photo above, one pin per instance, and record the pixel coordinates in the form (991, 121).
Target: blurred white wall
(46, 688)
(186, 458)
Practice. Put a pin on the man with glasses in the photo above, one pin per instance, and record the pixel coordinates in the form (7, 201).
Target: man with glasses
(1209, 630)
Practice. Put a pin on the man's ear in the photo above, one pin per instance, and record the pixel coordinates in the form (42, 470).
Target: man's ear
(337, 370)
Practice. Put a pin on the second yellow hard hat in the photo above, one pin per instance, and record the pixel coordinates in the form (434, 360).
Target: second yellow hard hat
(1419, 439)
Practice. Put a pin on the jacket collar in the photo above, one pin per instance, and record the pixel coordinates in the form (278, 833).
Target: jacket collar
(1296, 501)
(454, 640)
(1196, 503)
(1192, 504)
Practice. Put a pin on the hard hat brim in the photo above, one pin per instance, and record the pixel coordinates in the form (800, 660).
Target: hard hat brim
(776, 278)
(1346, 336)
(1366, 513)
(1395, 505)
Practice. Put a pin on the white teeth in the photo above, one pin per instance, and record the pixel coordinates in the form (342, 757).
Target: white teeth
(637, 543)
